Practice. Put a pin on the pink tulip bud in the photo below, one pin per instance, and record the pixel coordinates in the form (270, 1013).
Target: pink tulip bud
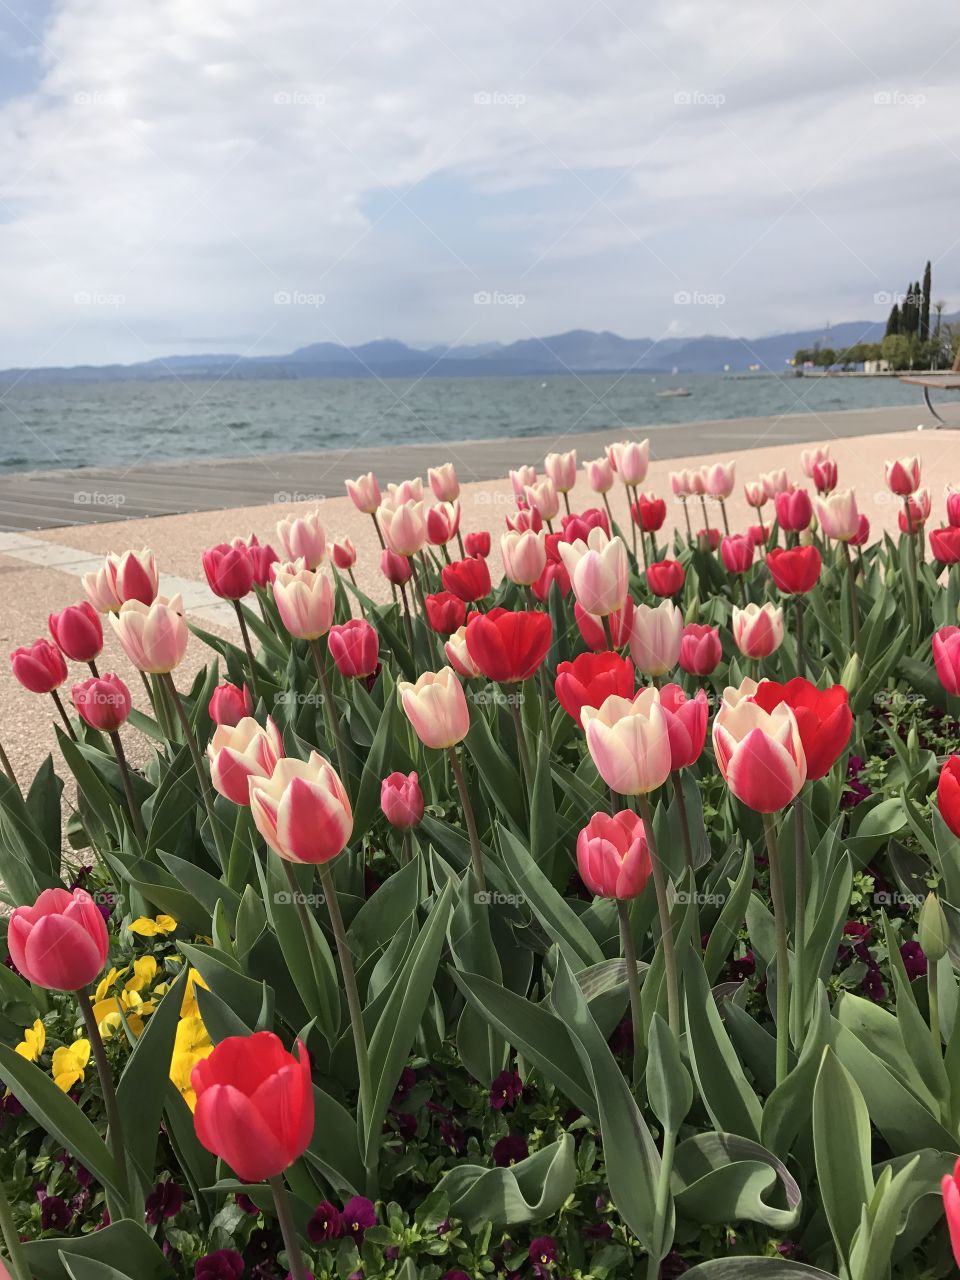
(229, 571)
(405, 491)
(262, 557)
(61, 942)
(825, 476)
(103, 702)
(812, 458)
(229, 705)
(680, 483)
(838, 516)
(240, 752)
(458, 655)
(524, 556)
(395, 568)
(599, 475)
(154, 637)
(364, 493)
(755, 494)
(757, 629)
(628, 742)
(612, 855)
(655, 637)
(354, 647)
(720, 479)
(736, 552)
(903, 476)
(794, 509)
(401, 800)
(77, 631)
(700, 649)
(304, 538)
(444, 482)
(404, 528)
(39, 666)
(526, 520)
(686, 724)
(953, 508)
(599, 572)
(302, 810)
(775, 482)
(561, 468)
(443, 522)
(520, 478)
(305, 602)
(946, 658)
(344, 554)
(631, 460)
(436, 707)
(759, 753)
(543, 497)
(862, 536)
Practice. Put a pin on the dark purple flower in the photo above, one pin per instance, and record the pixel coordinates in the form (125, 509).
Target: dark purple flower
(543, 1254)
(408, 1078)
(455, 1274)
(914, 961)
(325, 1224)
(872, 984)
(745, 967)
(621, 1038)
(81, 1201)
(598, 1231)
(262, 1249)
(164, 1201)
(510, 1150)
(404, 1123)
(83, 1176)
(55, 1213)
(225, 1264)
(246, 1204)
(857, 929)
(505, 1090)
(672, 1266)
(452, 1135)
(358, 1214)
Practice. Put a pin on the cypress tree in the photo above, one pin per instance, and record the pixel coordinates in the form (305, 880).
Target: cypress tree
(925, 305)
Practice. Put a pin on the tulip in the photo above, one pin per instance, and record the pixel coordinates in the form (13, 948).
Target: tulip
(443, 523)
(553, 573)
(736, 552)
(774, 482)
(720, 479)
(395, 568)
(592, 629)
(101, 589)
(838, 516)
(301, 809)
(666, 577)
(680, 484)
(543, 497)
(628, 742)
(589, 680)
(862, 536)
(524, 556)
(599, 572)
(916, 512)
(796, 569)
(953, 508)
(526, 518)
(229, 704)
(305, 602)
(599, 475)
(825, 476)
(77, 632)
(436, 707)
(561, 468)
(757, 535)
(508, 647)
(631, 460)
(135, 576)
(103, 702)
(950, 1187)
(405, 491)
(757, 629)
(649, 512)
(344, 554)
(455, 647)
(240, 752)
(229, 571)
(755, 494)
(612, 855)
(709, 538)
(732, 697)
(700, 649)
(823, 716)
(794, 510)
(655, 637)
(811, 458)
(446, 612)
(902, 476)
(262, 556)
(354, 647)
(948, 794)
(61, 942)
(576, 528)
(39, 667)
(404, 528)
(686, 724)
(759, 753)
(365, 493)
(154, 637)
(478, 544)
(255, 1107)
(520, 478)
(401, 800)
(468, 580)
(946, 658)
(444, 482)
(945, 544)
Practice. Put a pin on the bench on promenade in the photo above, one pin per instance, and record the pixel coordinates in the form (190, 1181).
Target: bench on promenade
(933, 382)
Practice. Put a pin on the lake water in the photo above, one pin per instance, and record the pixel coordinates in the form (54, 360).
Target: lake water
(108, 423)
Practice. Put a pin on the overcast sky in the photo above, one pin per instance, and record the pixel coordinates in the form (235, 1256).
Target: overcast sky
(250, 176)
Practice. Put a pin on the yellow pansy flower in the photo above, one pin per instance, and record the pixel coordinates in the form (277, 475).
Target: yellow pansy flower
(147, 928)
(107, 981)
(34, 1038)
(191, 1046)
(144, 972)
(135, 1009)
(190, 1008)
(69, 1063)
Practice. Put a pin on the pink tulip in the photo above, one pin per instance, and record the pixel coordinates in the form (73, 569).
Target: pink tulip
(612, 855)
(811, 458)
(154, 637)
(262, 557)
(953, 508)
(131, 576)
(60, 942)
(680, 483)
(655, 636)
(686, 724)
(302, 810)
(862, 536)
(344, 554)
(599, 572)
(561, 468)
(364, 493)
(736, 552)
(838, 516)
(305, 602)
(444, 482)
(599, 475)
(631, 460)
(524, 556)
(436, 707)
(950, 1188)
(759, 754)
(946, 658)
(458, 655)
(396, 569)
(443, 523)
(794, 509)
(525, 519)
(404, 527)
(757, 629)
(103, 702)
(903, 476)
(628, 742)
(720, 479)
(77, 631)
(405, 491)
(401, 800)
(240, 752)
(755, 494)
(303, 537)
(229, 705)
(520, 478)
(544, 499)
(354, 647)
(39, 666)
(229, 570)
(700, 649)
(825, 476)
(774, 482)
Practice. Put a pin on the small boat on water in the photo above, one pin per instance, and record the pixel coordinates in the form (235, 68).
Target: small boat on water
(671, 393)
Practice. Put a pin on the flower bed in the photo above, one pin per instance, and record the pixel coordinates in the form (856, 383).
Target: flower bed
(433, 939)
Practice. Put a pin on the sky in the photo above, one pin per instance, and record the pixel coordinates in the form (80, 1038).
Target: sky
(247, 176)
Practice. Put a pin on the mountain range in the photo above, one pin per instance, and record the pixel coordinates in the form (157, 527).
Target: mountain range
(578, 351)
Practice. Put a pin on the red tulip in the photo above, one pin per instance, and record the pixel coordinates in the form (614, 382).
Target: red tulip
(612, 855)
(686, 724)
(823, 717)
(948, 794)
(60, 942)
(354, 647)
(478, 544)
(554, 572)
(344, 554)
(736, 552)
(446, 612)
(589, 680)
(468, 579)
(443, 522)
(103, 702)
(824, 475)
(665, 577)
(795, 570)
(591, 628)
(508, 647)
(77, 631)
(946, 657)
(757, 534)
(39, 666)
(700, 649)
(401, 800)
(254, 1104)
(577, 527)
(229, 704)
(862, 536)
(953, 508)
(903, 476)
(913, 519)
(794, 510)
(262, 556)
(229, 570)
(649, 512)
(945, 544)
(950, 1187)
(710, 536)
(395, 568)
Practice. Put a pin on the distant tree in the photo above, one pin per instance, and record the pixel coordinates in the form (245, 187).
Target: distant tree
(925, 303)
(893, 321)
(896, 349)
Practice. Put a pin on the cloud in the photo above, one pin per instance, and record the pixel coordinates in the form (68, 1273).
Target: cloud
(176, 167)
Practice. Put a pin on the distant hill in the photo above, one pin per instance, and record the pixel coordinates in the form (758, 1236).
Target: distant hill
(579, 351)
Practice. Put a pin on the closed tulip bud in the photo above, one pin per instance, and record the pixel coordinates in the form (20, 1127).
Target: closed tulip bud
(795, 570)
(303, 538)
(599, 572)
(755, 494)
(950, 1189)
(543, 497)
(631, 460)
(446, 612)
(576, 528)
(458, 655)
(436, 707)
(103, 702)
(902, 475)
(825, 476)
(649, 512)
(405, 491)
(945, 545)
(589, 680)
(468, 580)
(628, 742)
(948, 794)
(686, 724)
(917, 512)
(229, 571)
(592, 629)
(862, 536)
(396, 569)
(354, 647)
(953, 508)
(709, 538)
(680, 483)
(509, 647)
(39, 666)
(759, 754)
(850, 676)
(933, 932)
(524, 556)
(612, 855)
(305, 602)
(526, 519)
(757, 629)
(364, 493)
(135, 575)
(404, 528)
(666, 577)
(77, 631)
(302, 809)
(262, 557)
(478, 543)
(774, 482)
(240, 752)
(697, 479)
(720, 479)
(443, 523)
(736, 552)
(838, 516)
(811, 458)
(229, 704)
(757, 535)
(101, 590)
(61, 942)
(794, 509)
(561, 468)
(344, 553)
(700, 649)
(599, 475)
(946, 658)
(401, 800)
(154, 637)
(255, 1107)
(444, 482)
(520, 478)
(655, 637)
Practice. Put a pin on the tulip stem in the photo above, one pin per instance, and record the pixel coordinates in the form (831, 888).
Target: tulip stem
(132, 805)
(726, 522)
(606, 503)
(913, 568)
(407, 624)
(933, 996)
(166, 683)
(705, 541)
(854, 607)
(801, 659)
(513, 696)
(633, 523)
(686, 516)
(330, 710)
(94, 671)
(298, 1268)
(249, 649)
(783, 954)
(63, 713)
(114, 1127)
(476, 852)
(662, 1198)
(353, 1001)
(666, 926)
(633, 984)
(12, 1238)
(799, 915)
(684, 822)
